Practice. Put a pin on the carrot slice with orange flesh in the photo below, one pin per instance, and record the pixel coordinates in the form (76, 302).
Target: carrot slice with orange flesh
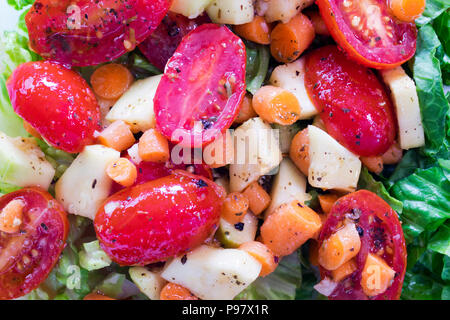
(11, 216)
(153, 147)
(246, 112)
(276, 105)
(374, 164)
(289, 227)
(117, 136)
(407, 10)
(314, 253)
(393, 155)
(122, 171)
(235, 207)
(327, 201)
(257, 30)
(111, 80)
(173, 291)
(263, 254)
(319, 25)
(299, 151)
(342, 246)
(258, 198)
(344, 271)
(28, 128)
(291, 39)
(376, 276)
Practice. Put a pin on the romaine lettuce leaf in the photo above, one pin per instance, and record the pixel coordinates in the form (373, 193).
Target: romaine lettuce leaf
(433, 9)
(20, 4)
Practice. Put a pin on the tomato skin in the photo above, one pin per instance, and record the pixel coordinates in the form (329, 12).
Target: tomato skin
(397, 50)
(56, 102)
(203, 84)
(44, 229)
(159, 219)
(380, 227)
(106, 30)
(159, 47)
(352, 102)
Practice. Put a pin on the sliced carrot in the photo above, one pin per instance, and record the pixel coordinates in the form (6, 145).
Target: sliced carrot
(327, 201)
(257, 31)
(407, 10)
(344, 271)
(319, 25)
(393, 155)
(376, 276)
(276, 105)
(263, 254)
(153, 147)
(220, 152)
(289, 227)
(122, 171)
(291, 39)
(299, 151)
(117, 136)
(235, 207)
(314, 253)
(11, 216)
(96, 296)
(111, 80)
(246, 112)
(173, 291)
(374, 164)
(340, 247)
(28, 128)
(258, 198)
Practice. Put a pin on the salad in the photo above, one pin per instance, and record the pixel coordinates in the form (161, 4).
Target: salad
(225, 149)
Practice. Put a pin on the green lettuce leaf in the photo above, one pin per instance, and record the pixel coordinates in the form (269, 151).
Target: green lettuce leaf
(433, 9)
(258, 58)
(440, 242)
(20, 4)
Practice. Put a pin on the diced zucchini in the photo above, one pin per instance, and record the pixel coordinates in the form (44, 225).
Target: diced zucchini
(189, 8)
(149, 282)
(232, 236)
(281, 10)
(231, 11)
(213, 273)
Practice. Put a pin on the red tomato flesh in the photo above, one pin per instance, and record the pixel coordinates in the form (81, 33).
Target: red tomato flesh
(89, 32)
(379, 229)
(57, 102)
(27, 257)
(353, 103)
(159, 219)
(159, 47)
(203, 86)
(368, 32)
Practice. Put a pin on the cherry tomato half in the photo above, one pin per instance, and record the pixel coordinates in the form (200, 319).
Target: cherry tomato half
(27, 257)
(89, 32)
(154, 221)
(159, 47)
(56, 102)
(380, 232)
(353, 103)
(203, 86)
(368, 32)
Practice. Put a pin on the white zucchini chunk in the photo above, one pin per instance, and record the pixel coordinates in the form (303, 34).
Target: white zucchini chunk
(213, 273)
(281, 10)
(406, 102)
(289, 185)
(85, 185)
(189, 8)
(257, 152)
(332, 166)
(291, 77)
(23, 164)
(149, 282)
(135, 106)
(231, 11)
(232, 236)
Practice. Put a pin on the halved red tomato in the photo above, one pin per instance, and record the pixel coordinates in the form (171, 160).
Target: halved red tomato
(57, 102)
(368, 32)
(203, 86)
(381, 234)
(27, 257)
(89, 32)
(154, 221)
(353, 103)
(159, 47)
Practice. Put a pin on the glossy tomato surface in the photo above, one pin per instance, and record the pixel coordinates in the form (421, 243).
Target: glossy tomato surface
(352, 102)
(89, 32)
(380, 232)
(368, 32)
(56, 102)
(203, 86)
(159, 219)
(159, 47)
(27, 257)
